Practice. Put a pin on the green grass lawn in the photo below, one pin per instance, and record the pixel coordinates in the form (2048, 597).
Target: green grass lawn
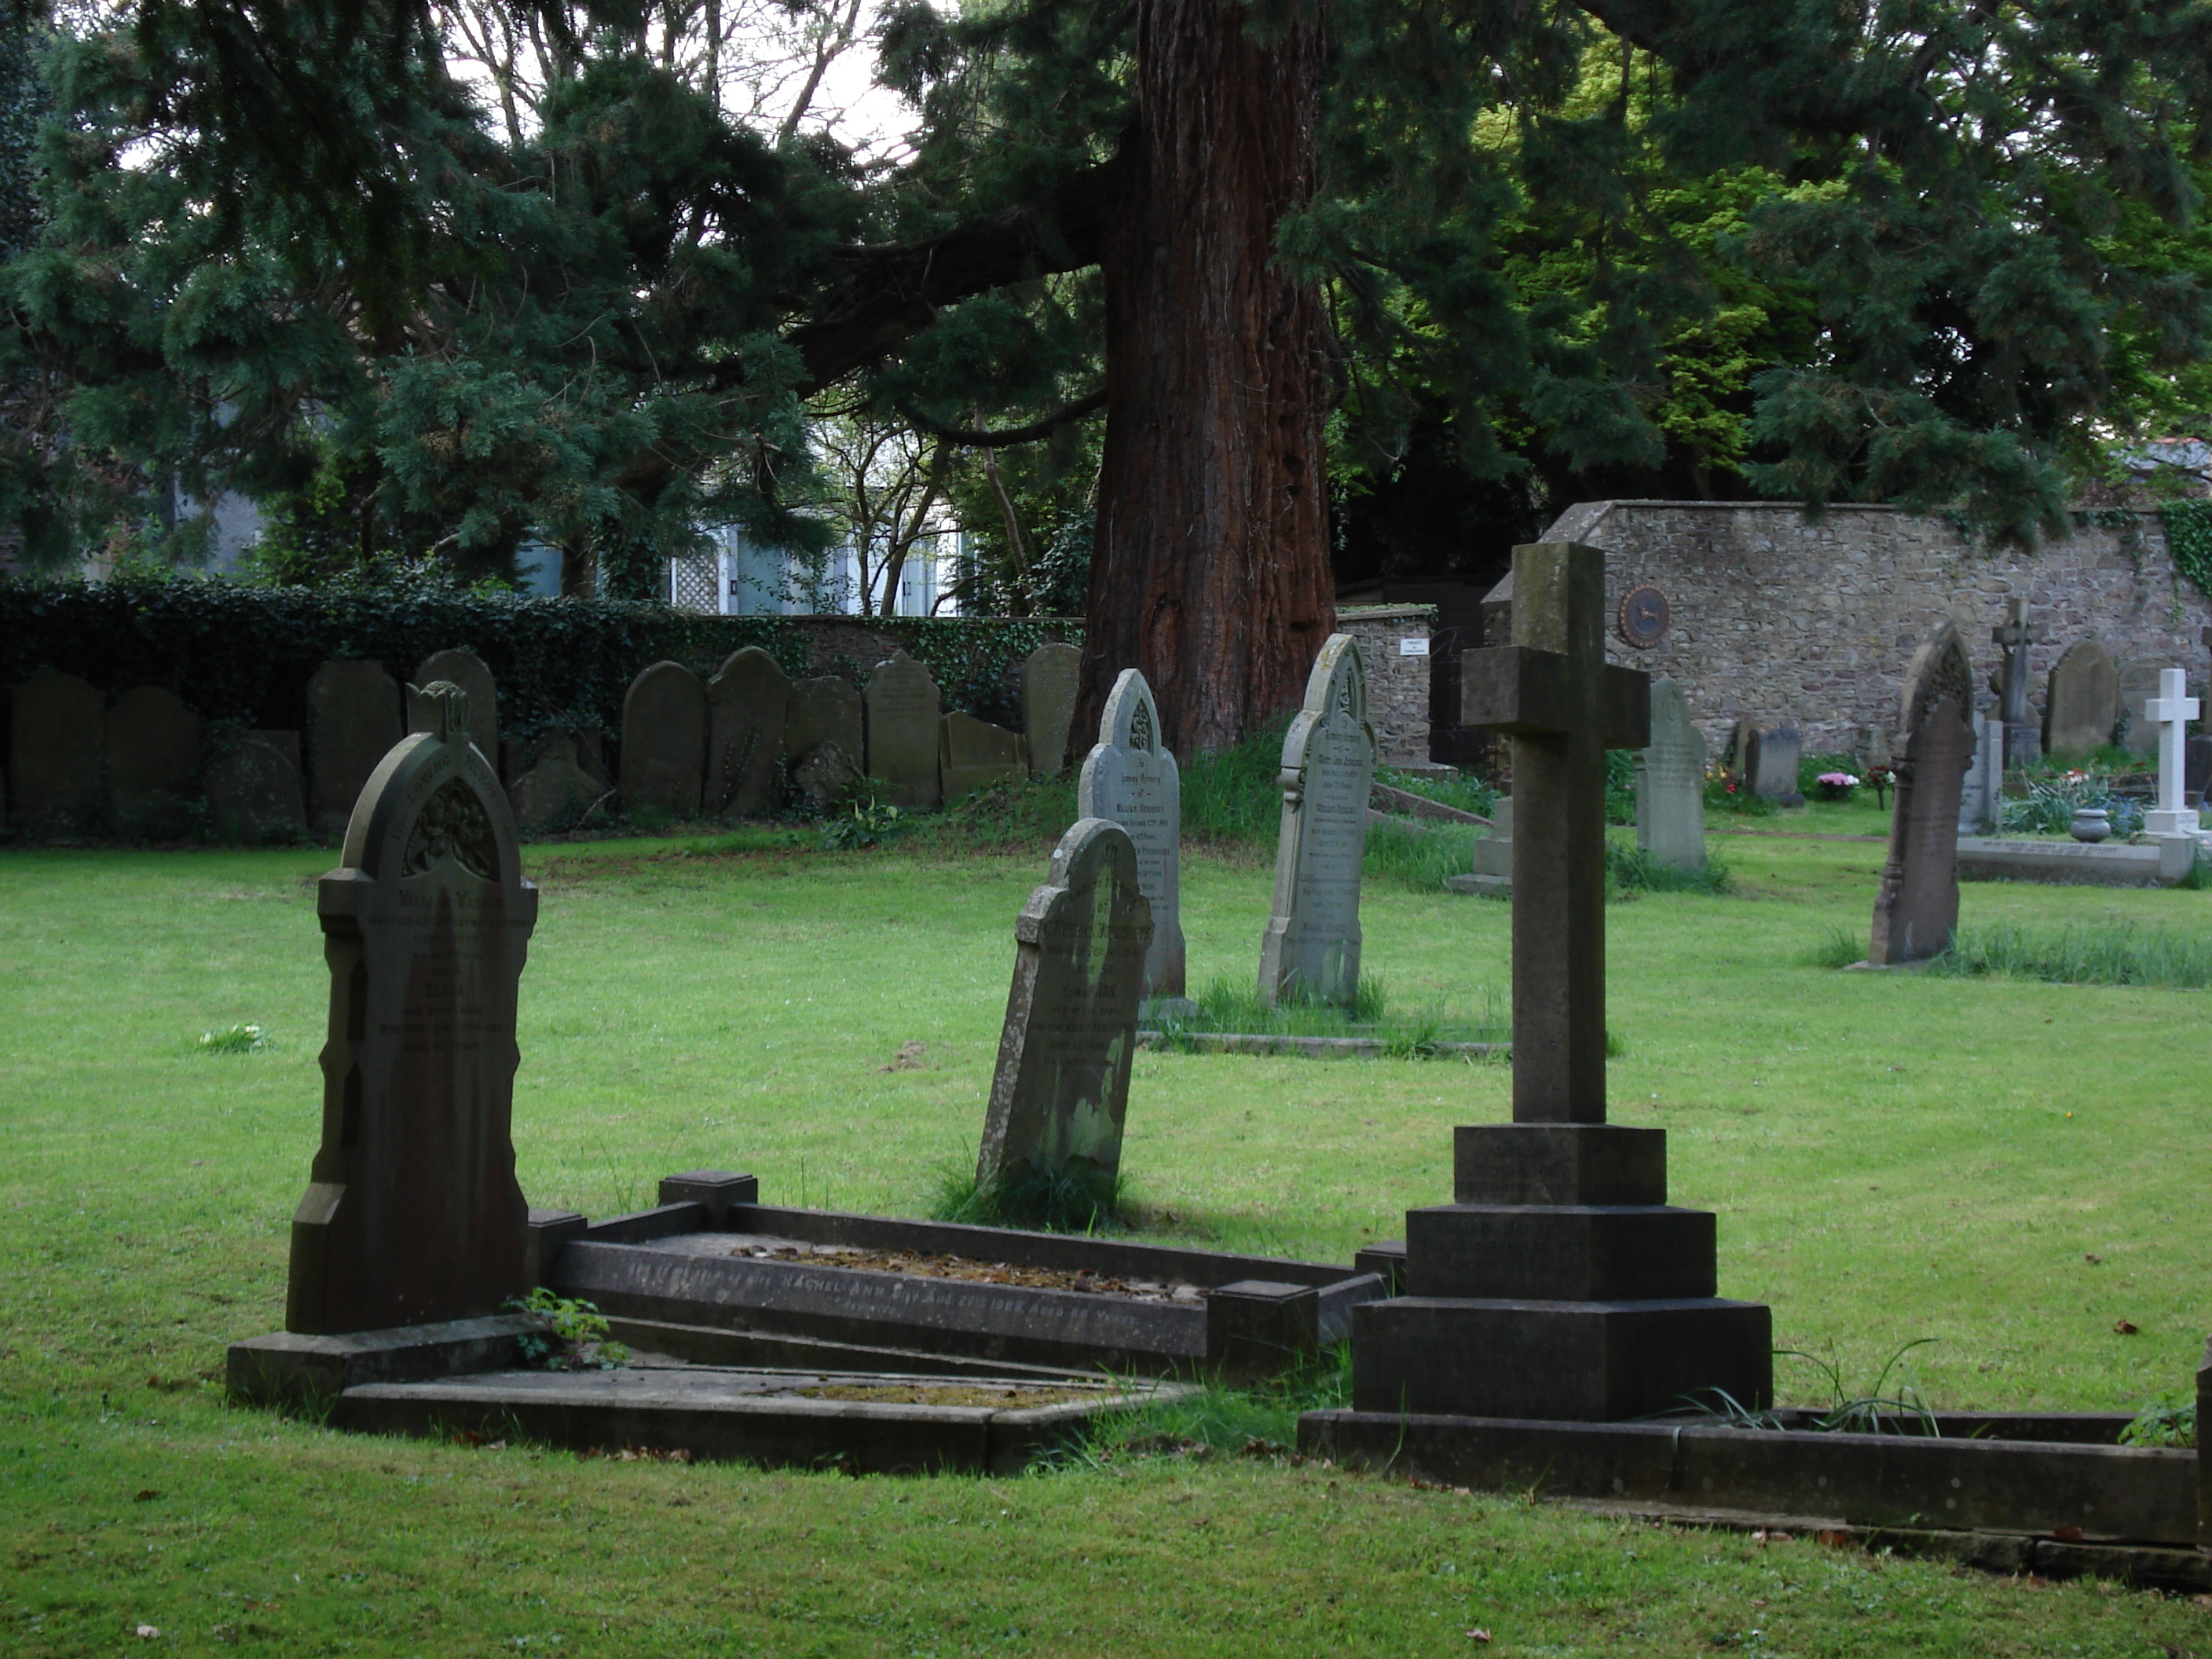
(1893, 1156)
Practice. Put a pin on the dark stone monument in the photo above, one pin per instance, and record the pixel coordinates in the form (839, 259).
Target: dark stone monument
(1770, 766)
(1050, 676)
(152, 745)
(1560, 1283)
(353, 720)
(2023, 740)
(556, 793)
(746, 702)
(1916, 909)
(254, 793)
(2082, 703)
(663, 742)
(466, 670)
(56, 729)
(903, 711)
(413, 1214)
(1311, 945)
(974, 754)
(2196, 769)
(1061, 1089)
(2139, 680)
(1130, 779)
(822, 710)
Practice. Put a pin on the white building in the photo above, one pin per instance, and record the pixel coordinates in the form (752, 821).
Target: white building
(737, 576)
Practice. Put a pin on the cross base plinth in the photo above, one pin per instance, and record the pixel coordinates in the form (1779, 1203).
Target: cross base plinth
(2158, 824)
(1560, 1252)
(1558, 1163)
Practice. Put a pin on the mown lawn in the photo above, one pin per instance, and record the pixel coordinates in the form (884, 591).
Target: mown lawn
(1892, 1157)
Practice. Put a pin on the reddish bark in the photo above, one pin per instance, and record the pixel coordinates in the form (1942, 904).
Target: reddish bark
(1211, 566)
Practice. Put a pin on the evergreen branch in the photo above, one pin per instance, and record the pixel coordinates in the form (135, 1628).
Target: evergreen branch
(1008, 437)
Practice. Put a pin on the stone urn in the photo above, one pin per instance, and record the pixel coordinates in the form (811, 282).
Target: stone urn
(2092, 823)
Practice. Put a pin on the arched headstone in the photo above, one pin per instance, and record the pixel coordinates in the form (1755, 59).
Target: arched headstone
(253, 793)
(354, 717)
(152, 745)
(903, 709)
(1670, 782)
(1050, 676)
(746, 702)
(56, 730)
(2082, 703)
(1311, 947)
(1915, 911)
(1130, 779)
(664, 745)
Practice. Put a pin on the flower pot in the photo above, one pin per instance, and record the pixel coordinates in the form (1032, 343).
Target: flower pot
(1834, 791)
(2091, 823)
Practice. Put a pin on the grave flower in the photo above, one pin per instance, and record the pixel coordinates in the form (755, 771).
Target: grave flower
(1836, 786)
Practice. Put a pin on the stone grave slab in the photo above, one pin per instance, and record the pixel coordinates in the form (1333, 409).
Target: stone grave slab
(1310, 949)
(1770, 764)
(1060, 1090)
(254, 793)
(556, 793)
(664, 745)
(1491, 873)
(2055, 863)
(1915, 911)
(56, 727)
(1670, 782)
(904, 710)
(746, 704)
(974, 754)
(1129, 778)
(1051, 675)
(466, 670)
(151, 743)
(353, 718)
(2082, 703)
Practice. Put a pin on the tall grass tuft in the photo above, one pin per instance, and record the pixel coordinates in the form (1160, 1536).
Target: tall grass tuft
(1064, 1200)
(1227, 1004)
(1259, 1420)
(1841, 948)
(1231, 795)
(2082, 953)
(1632, 869)
(1418, 860)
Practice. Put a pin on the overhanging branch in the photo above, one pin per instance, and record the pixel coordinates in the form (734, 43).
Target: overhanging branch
(1006, 438)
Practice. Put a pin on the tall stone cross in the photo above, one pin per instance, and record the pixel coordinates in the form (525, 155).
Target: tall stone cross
(2172, 710)
(1562, 705)
(2016, 637)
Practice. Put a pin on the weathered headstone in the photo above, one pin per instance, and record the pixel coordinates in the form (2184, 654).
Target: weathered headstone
(254, 792)
(903, 711)
(2139, 679)
(151, 743)
(1490, 864)
(746, 702)
(1061, 1090)
(2168, 714)
(1049, 679)
(822, 710)
(413, 1213)
(2196, 769)
(974, 754)
(1915, 911)
(466, 670)
(556, 793)
(1130, 779)
(56, 728)
(827, 774)
(2023, 742)
(1310, 950)
(1982, 792)
(1771, 767)
(354, 717)
(1670, 782)
(1560, 1284)
(2081, 701)
(664, 744)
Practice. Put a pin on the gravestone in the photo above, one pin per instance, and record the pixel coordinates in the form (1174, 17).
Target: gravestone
(1771, 765)
(974, 754)
(1874, 747)
(1915, 911)
(2081, 702)
(56, 725)
(2168, 714)
(1061, 1090)
(664, 741)
(827, 774)
(2023, 742)
(1981, 793)
(1050, 676)
(2139, 679)
(1490, 865)
(1560, 1283)
(746, 703)
(2197, 770)
(1130, 779)
(1311, 946)
(466, 670)
(818, 711)
(1670, 782)
(254, 792)
(903, 711)
(556, 793)
(151, 743)
(412, 1213)
(353, 720)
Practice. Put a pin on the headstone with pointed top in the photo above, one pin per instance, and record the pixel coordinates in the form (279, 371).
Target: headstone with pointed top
(1050, 676)
(664, 741)
(1310, 950)
(747, 701)
(1670, 782)
(55, 726)
(2023, 741)
(1129, 778)
(2168, 714)
(903, 709)
(1916, 910)
(412, 1213)
(2080, 702)
(354, 717)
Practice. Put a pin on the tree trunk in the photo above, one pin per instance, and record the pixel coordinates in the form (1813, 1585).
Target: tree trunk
(1211, 566)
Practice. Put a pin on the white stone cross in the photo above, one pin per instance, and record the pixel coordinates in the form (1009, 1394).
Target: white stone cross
(2172, 709)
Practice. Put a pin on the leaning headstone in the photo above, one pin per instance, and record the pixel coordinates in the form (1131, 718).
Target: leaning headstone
(1061, 1090)
(1982, 793)
(1771, 765)
(1490, 865)
(353, 720)
(1311, 947)
(1670, 782)
(2168, 714)
(1050, 676)
(2023, 742)
(412, 1213)
(1130, 779)
(746, 704)
(466, 670)
(56, 728)
(903, 711)
(2140, 680)
(152, 747)
(1916, 910)
(2081, 701)
(664, 745)
(556, 793)
(974, 754)
(253, 793)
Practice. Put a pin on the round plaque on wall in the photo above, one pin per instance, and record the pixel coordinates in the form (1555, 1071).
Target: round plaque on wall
(1643, 615)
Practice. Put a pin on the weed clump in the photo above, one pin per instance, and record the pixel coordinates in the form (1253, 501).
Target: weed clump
(1069, 1200)
(2082, 953)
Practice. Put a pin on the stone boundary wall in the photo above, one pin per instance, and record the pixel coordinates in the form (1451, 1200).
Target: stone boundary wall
(1777, 619)
(1397, 685)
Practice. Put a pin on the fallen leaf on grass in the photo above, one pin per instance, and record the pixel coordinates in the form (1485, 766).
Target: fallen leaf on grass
(2125, 1328)
(2092, 1259)
(148, 1632)
(1478, 1635)
(145, 1495)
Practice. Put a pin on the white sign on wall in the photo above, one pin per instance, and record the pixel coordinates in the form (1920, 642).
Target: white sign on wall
(1414, 646)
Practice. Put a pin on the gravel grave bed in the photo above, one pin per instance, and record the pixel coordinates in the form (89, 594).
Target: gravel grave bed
(961, 1266)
